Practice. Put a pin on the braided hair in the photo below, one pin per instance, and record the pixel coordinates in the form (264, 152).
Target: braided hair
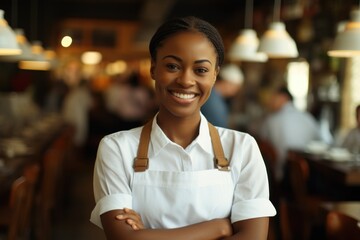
(185, 24)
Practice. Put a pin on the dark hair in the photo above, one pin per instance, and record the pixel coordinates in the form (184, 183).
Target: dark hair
(184, 24)
(283, 90)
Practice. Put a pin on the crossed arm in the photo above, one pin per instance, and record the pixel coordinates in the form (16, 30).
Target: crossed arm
(126, 224)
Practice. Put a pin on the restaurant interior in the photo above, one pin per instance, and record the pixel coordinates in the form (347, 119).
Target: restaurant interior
(73, 71)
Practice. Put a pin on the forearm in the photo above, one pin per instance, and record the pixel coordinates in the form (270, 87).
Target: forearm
(208, 230)
(202, 231)
(251, 229)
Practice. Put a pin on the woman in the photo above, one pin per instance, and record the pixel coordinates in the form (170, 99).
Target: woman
(178, 192)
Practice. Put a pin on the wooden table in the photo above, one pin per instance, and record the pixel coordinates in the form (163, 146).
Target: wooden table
(12, 167)
(335, 179)
(346, 173)
(351, 209)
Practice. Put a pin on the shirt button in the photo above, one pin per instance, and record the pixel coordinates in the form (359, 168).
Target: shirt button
(186, 162)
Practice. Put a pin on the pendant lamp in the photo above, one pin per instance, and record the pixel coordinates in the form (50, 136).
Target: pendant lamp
(37, 61)
(24, 46)
(246, 44)
(276, 42)
(8, 44)
(347, 41)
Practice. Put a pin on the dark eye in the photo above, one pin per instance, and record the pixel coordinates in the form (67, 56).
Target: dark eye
(172, 67)
(201, 70)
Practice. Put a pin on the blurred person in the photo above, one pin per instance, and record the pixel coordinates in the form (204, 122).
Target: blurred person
(217, 108)
(77, 102)
(175, 189)
(129, 99)
(287, 127)
(64, 79)
(352, 138)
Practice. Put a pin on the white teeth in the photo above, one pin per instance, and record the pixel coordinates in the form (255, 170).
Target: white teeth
(183, 95)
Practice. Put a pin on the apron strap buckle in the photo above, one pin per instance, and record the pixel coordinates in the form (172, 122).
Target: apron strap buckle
(141, 164)
(222, 164)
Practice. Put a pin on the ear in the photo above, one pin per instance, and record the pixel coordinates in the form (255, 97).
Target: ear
(217, 70)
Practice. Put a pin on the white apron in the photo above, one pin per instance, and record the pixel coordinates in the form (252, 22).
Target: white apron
(175, 199)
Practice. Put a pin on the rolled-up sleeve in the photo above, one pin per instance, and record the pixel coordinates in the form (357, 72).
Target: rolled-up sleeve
(111, 180)
(251, 193)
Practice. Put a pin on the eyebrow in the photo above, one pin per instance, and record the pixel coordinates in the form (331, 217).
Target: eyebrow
(180, 60)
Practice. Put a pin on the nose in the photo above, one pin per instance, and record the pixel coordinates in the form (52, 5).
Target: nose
(186, 78)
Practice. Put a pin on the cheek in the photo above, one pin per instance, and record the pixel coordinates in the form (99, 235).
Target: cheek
(206, 88)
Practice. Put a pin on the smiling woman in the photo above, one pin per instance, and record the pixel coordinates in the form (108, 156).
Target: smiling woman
(179, 177)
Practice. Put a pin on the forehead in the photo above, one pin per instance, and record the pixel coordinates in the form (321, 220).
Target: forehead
(188, 43)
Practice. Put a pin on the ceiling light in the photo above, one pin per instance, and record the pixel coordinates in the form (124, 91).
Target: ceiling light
(276, 42)
(24, 46)
(347, 41)
(91, 57)
(8, 44)
(245, 47)
(37, 61)
(246, 44)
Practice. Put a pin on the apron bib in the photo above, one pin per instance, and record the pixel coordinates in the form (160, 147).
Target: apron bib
(176, 199)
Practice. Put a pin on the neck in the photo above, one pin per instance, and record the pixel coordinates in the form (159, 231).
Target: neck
(179, 129)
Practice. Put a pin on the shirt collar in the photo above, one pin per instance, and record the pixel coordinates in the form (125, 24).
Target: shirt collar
(159, 140)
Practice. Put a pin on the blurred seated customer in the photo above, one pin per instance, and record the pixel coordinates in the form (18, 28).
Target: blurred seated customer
(287, 127)
(130, 100)
(218, 106)
(77, 102)
(352, 139)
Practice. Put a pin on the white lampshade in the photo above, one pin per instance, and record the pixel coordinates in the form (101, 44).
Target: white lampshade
(277, 43)
(245, 47)
(37, 61)
(232, 73)
(24, 45)
(347, 42)
(8, 44)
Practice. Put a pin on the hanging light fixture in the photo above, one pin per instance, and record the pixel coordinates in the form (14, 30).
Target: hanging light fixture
(37, 61)
(276, 42)
(24, 46)
(8, 44)
(246, 44)
(347, 41)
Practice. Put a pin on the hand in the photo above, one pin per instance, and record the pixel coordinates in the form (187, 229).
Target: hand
(132, 218)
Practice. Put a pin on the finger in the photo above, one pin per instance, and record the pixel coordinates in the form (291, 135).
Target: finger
(120, 217)
(133, 224)
(129, 213)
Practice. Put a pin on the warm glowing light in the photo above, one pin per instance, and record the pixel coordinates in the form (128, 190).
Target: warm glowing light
(91, 57)
(8, 43)
(117, 67)
(298, 82)
(37, 61)
(66, 41)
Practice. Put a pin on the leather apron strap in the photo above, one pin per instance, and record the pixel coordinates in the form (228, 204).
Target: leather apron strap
(220, 160)
(141, 162)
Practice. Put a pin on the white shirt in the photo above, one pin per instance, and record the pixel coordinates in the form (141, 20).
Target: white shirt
(75, 111)
(289, 128)
(181, 186)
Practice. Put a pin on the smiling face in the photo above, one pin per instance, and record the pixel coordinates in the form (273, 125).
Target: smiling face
(184, 71)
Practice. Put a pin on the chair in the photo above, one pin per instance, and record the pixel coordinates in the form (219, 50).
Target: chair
(15, 217)
(51, 186)
(300, 203)
(269, 155)
(340, 226)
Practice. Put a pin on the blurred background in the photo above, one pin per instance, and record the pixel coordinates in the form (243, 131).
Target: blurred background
(83, 72)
